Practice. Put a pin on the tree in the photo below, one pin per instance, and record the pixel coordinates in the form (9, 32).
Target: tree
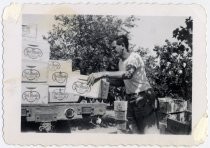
(173, 75)
(184, 34)
(86, 39)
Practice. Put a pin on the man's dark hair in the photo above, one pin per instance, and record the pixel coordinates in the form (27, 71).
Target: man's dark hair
(122, 40)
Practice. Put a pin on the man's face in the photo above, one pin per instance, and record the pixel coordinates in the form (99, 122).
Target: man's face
(118, 49)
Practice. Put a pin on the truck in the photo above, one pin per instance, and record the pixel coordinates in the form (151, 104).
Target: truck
(46, 114)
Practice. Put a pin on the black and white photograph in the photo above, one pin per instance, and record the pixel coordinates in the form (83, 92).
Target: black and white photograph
(87, 74)
(111, 74)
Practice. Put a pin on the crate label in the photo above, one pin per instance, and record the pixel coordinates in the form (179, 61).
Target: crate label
(81, 87)
(31, 96)
(60, 77)
(33, 52)
(53, 65)
(34, 71)
(59, 94)
(31, 74)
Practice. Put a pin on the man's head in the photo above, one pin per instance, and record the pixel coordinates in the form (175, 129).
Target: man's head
(120, 45)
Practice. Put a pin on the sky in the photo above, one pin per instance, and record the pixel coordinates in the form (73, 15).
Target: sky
(154, 30)
(150, 30)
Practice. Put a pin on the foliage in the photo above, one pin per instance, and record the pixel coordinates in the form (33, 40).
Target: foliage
(86, 39)
(173, 75)
(184, 34)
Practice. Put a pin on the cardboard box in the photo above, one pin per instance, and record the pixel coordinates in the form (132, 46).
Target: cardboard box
(58, 94)
(32, 50)
(35, 93)
(34, 71)
(77, 84)
(59, 72)
(120, 115)
(120, 105)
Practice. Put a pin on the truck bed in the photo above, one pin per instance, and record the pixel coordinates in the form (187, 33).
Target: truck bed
(61, 111)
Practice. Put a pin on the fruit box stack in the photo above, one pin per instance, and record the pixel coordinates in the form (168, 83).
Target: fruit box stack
(58, 74)
(35, 56)
(174, 116)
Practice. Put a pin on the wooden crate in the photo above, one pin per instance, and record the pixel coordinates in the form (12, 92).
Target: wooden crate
(169, 105)
(33, 50)
(34, 93)
(179, 123)
(59, 71)
(34, 71)
(77, 84)
(179, 105)
(120, 105)
(120, 115)
(166, 105)
(177, 127)
(59, 94)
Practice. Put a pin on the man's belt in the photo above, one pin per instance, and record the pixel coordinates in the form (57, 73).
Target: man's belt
(131, 98)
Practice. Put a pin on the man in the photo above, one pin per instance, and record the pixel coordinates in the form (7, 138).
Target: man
(139, 94)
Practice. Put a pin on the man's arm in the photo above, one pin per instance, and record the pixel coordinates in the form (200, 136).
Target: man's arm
(128, 74)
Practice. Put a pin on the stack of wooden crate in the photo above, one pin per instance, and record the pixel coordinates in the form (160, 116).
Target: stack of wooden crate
(58, 74)
(174, 116)
(43, 80)
(120, 109)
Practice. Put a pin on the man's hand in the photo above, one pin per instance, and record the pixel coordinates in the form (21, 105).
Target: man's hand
(128, 74)
(93, 78)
